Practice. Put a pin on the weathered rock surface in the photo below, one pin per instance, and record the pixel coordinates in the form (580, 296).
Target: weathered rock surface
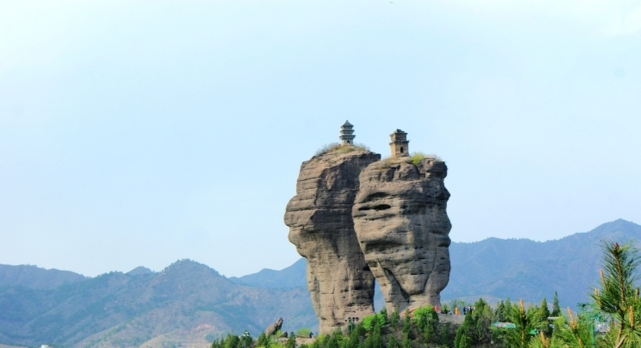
(401, 222)
(321, 227)
(274, 327)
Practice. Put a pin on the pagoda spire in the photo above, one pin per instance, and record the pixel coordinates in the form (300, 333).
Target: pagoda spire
(399, 144)
(347, 134)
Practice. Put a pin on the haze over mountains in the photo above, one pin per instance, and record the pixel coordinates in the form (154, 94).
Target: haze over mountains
(188, 303)
(521, 268)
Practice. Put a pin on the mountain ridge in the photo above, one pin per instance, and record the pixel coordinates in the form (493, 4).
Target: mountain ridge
(186, 301)
(515, 267)
(189, 303)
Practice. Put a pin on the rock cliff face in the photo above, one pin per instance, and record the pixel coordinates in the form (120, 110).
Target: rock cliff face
(401, 222)
(321, 227)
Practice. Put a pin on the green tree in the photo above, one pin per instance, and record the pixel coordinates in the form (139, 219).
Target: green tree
(394, 318)
(476, 326)
(231, 341)
(577, 332)
(354, 339)
(542, 315)
(618, 297)
(526, 321)
(407, 343)
(377, 335)
(383, 314)
(263, 340)
(542, 341)
(392, 342)
(545, 311)
(426, 322)
(446, 339)
(500, 314)
(463, 339)
(370, 321)
(407, 323)
(334, 340)
(556, 309)
(508, 304)
(291, 342)
(374, 339)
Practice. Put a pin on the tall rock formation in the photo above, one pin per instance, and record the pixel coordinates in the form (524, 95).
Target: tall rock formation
(401, 222)
(321, 227)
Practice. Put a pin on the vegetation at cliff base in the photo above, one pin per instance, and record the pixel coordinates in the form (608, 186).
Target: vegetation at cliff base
(612, 319)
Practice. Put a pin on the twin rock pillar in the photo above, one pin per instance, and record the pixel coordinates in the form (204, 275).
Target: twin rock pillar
(356, 219)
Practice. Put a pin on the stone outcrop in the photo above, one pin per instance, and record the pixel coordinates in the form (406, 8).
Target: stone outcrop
(321, 228)
(402, 226)
(274, 327)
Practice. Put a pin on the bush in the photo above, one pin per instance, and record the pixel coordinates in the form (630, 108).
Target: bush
(417, 157)
(304, 332)
(427, 312)
(327, 148)
(339, 148)
(370, 321)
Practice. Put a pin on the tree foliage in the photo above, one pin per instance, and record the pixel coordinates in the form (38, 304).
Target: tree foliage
(556, 308)
(476, 326)
(526, 321)
(615, 302)
(618, 297)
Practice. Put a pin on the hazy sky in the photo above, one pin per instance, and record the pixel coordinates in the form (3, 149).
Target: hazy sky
(143, 132)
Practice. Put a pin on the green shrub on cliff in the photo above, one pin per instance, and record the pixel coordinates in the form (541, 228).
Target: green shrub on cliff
(417, 157)
(339, 148)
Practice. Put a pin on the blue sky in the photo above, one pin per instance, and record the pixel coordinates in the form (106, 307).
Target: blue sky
(140, 133)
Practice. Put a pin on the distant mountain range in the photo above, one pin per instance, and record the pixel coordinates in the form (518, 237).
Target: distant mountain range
(521, 268)
(293, 276)
(500, 268)
(188, 303)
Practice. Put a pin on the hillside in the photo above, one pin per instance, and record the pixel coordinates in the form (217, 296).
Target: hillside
(521, 268)
(290, 277)
(186, 304)
(36, 278)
